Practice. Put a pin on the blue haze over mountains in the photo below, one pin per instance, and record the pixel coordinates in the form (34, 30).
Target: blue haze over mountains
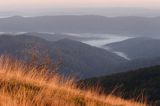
(110, 47)
(78, 58)
(138, 40)
(127, 25)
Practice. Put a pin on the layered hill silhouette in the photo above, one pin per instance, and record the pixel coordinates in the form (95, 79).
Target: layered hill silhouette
(137, 48)
(77, 58)
(54, 36)
(129, 25)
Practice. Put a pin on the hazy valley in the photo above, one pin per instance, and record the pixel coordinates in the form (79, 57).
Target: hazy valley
(60, 60)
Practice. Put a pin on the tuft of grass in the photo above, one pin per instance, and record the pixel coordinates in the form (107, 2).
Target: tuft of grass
(22, 85)
(79, 101)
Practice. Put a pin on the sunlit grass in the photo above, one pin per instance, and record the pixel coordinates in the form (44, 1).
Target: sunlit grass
(21, 85)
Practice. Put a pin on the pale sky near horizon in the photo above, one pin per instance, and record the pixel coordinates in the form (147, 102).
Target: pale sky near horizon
(26, 4)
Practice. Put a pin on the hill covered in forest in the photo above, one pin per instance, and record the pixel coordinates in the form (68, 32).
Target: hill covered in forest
(139, 83)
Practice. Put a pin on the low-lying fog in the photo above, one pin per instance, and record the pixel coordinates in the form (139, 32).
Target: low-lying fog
(97, 40)
(100, 40)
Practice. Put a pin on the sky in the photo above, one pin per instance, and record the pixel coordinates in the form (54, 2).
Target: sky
(47, 7)
(24, 4)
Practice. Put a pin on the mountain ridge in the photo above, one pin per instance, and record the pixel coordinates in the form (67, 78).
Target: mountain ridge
(127, 25)
(78, 58)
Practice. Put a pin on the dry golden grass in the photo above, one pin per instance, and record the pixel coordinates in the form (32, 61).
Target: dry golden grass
(21, 85)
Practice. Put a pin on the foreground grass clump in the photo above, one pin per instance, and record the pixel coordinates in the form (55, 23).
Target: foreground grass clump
(22, 85)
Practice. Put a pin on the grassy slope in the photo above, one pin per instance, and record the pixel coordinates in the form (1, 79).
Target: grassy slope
(21, 85)
(145, 81)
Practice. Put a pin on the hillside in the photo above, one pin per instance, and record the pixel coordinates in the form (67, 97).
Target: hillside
(139, 63)
(136, 48)
(129, 25)
(54, 36)
(77, 58)
(142, 82)
(22, 85)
